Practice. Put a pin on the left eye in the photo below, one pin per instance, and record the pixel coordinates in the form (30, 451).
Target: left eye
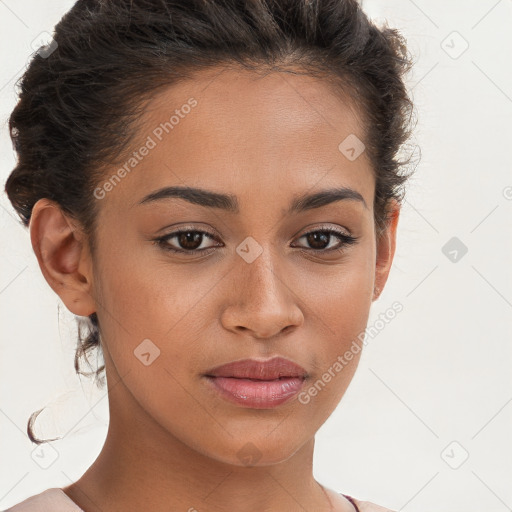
(321, 236)
(190, 241)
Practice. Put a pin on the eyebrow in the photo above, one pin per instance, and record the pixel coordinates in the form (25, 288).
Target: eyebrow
(229, 203)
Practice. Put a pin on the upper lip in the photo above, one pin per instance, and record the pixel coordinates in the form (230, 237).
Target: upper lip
(269, 369)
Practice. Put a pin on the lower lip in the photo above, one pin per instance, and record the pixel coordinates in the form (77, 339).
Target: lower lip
(257, 394)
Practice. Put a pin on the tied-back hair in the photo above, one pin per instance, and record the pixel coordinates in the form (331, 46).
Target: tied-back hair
(79, 100)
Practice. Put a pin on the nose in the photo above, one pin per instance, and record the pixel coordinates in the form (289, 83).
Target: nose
(261, 301)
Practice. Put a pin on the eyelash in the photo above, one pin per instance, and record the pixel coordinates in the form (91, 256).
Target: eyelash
(345, 240)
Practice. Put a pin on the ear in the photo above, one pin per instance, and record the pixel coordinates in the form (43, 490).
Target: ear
(386, 244)
(63, 255)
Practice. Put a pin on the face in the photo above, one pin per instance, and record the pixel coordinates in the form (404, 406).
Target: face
(250, 276)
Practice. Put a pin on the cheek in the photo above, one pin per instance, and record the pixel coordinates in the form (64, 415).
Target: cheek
(151, 335)
(145, 297)
(339, 305)
(340, 297)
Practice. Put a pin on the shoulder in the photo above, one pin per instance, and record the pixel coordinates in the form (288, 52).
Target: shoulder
(51, 500)
(366, 506)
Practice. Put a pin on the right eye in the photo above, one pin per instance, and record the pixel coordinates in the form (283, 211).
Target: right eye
(188, 241)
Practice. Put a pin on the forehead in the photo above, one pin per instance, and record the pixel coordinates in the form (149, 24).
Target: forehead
(284, 103)
(238, 131)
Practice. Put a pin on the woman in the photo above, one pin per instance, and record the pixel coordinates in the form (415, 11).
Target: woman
(215, 186)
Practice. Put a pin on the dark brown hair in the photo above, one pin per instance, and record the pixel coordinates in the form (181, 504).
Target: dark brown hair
(81, 95)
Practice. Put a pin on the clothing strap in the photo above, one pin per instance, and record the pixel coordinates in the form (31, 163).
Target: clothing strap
(349, 498)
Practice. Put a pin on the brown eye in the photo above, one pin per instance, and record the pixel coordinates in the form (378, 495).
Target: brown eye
(319, 240)
(187, 241)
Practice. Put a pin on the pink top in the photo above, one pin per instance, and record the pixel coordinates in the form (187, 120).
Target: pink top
(56, 500)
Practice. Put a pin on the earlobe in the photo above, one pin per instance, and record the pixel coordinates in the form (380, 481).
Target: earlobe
(59, 247)
(385, 251)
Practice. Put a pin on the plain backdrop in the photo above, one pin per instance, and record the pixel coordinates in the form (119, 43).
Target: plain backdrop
(425, 424)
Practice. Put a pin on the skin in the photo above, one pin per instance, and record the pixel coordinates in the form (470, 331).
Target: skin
(172, 442)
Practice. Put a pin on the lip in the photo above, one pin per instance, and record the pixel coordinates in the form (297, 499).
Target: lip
(256, 383)
(261, 369)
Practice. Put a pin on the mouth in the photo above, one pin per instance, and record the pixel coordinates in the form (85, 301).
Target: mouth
(257, 384)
